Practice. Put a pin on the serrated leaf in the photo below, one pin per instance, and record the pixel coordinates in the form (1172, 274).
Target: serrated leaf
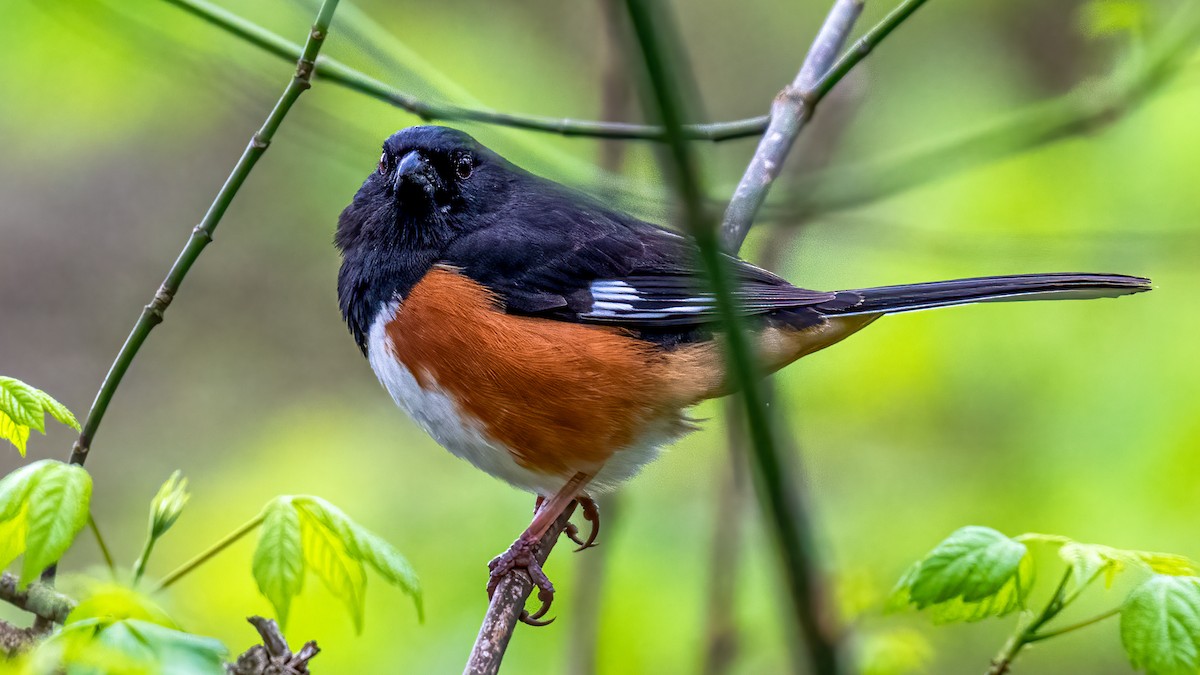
(1089, 560)
(368, 547)
(328, 556)
(17, 434)
(57, 511)
(1160, 625)
(973, 563)
(278, 563)
(974, 573)
(20, 402)
(57, 410)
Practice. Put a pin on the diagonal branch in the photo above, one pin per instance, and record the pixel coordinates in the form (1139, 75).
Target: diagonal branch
(794, 106)
(506, 606)
(202, 234)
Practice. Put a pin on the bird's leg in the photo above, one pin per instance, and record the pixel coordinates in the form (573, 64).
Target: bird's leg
(591, 513)
(522, 553)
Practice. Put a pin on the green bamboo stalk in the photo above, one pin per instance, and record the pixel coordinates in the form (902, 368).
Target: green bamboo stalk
(202, 234)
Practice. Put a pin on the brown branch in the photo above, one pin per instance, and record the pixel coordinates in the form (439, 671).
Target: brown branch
(506, 606)
(15, 640)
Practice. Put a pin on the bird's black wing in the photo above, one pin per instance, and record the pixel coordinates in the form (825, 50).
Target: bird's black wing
(591, 265)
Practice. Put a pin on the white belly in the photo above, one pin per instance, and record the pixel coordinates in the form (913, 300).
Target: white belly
(441, 417)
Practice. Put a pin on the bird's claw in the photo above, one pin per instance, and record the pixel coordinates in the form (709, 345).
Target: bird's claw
(521, 556)
(591, 513)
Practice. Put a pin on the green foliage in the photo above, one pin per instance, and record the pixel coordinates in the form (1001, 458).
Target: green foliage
(42, 507)
(23, 407)
(1087, 561)
(128, 647)
(1160, 625)
(305, 532)
(977, 572)
(974, 573)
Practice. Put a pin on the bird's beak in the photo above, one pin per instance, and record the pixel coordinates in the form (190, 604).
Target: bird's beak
(414, 171)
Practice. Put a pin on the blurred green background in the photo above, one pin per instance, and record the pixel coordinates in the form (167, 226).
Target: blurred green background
(119, 119)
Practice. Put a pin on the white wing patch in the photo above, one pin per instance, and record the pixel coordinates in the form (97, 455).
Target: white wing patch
(612, 299)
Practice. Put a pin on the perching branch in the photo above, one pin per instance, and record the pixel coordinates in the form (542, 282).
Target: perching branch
(506, 606)
(202, 234)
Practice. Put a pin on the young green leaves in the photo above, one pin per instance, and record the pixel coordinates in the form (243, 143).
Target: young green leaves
(301, 533)
(1160, 625)
(23, 407)
(975, 573)
(978, 572)
(42, 507)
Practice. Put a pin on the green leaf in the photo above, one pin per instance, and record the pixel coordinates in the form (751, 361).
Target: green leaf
(1160, 625)
(163, 650)
(57, 510)
(368, 547)
(15, 487)
(1087, 561)
(12, 538)
(330, 559)
(278, 559)
(57, 410)
(20, 402)
(23, 407)
(17, 434)
(974, 573)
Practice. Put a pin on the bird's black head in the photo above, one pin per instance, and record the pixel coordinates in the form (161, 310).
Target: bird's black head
(431, 184)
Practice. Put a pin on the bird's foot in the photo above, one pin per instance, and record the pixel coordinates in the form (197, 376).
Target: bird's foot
(591, 513)
(521, 556)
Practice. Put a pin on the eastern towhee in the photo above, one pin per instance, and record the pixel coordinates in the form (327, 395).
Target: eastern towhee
(555, 342)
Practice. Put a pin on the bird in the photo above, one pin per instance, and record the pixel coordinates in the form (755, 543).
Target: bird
(556, 342)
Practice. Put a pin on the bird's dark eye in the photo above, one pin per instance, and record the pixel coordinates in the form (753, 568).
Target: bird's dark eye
(463, 167)
(383, 163)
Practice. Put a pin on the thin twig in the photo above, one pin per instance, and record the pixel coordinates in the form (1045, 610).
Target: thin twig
(790, 111)
(107, 555)
(38, 599)
(204, 556)
(506, 606)
(202, 234)
(345, 76)
(273, 656)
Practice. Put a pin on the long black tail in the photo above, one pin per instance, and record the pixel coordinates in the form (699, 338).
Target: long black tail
(1060, 286)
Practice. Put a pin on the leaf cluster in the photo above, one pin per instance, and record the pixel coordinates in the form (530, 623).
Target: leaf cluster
(23, 407)
(979, 572)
